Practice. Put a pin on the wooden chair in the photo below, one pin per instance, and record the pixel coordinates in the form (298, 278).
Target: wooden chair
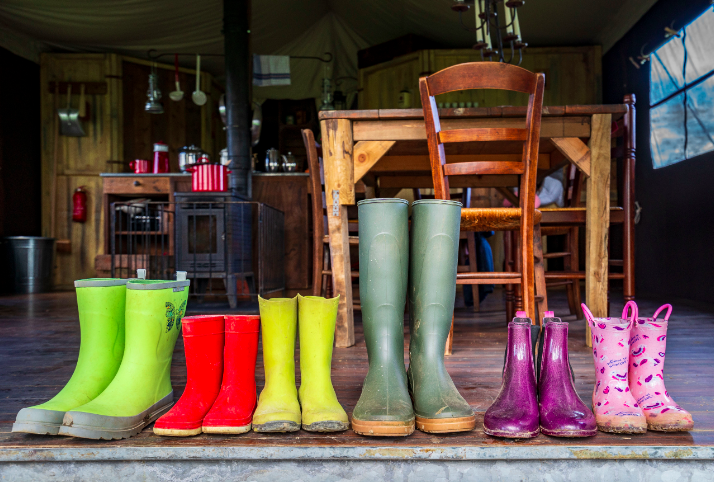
(570, 220)
(525, 218)
(321, 271)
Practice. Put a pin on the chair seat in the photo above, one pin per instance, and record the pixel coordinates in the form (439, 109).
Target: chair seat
(354, 240)
(493, 219)
(575, 216)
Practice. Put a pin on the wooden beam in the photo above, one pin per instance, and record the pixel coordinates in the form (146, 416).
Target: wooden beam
(575, 150)
(337, 150)
(367, 154)
(597, 219)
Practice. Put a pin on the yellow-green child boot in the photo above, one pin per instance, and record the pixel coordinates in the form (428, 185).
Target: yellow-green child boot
(100, 302)
(321, 412)
(141, 390)
(278, 407)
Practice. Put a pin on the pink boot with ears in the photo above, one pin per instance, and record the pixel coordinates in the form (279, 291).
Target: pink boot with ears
(647, 351)
(616, 410)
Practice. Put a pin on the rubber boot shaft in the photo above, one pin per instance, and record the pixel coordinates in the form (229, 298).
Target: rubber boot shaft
(203, 340)
(141, 390)
(232, 411)
(101, 304)
(432, 290)
(562, 412)
(648, 346)
(321, 412)
(278, 407)
(383, 261)
(514, 413)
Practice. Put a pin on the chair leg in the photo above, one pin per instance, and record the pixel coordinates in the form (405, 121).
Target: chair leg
(508, 262)
(572, 286)
(450, 338)
(539, 273)
(518, 268)
(326, 280)
(318, 262)
(473, 267)
(575, 263)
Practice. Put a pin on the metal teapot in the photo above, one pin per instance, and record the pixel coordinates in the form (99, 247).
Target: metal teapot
(272, 160)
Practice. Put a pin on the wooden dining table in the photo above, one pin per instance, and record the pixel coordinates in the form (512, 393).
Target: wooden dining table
(387, 149)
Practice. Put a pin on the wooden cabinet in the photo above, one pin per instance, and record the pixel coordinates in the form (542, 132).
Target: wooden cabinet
(573, 75)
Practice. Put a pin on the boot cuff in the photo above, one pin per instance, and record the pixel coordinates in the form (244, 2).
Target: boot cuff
(445, 202)
(242, 323)
(99, 282)
(140, 284)
(383, 201)
(200, 325)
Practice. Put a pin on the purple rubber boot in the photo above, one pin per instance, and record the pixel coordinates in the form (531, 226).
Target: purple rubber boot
(562, 412)
(514, 413)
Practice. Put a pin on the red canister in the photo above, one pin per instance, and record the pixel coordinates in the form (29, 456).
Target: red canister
(161, 158)
(139, 166)
(209, 177)
(79, 205)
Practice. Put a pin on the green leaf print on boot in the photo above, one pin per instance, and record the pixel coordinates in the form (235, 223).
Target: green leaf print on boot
(438, 405)
(384, 408)
(141, 390)
(100, 303)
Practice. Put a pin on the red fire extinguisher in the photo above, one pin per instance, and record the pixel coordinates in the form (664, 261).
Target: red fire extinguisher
(79, 205)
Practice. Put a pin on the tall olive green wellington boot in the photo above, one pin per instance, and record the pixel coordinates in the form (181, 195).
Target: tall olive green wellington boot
(278, 407)
(321, 412)
(141, 390)
(101, 323)
(384, 408)
(438, 405)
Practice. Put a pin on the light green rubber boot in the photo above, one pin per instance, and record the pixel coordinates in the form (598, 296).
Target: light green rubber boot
(100, 303)
(278, 407)
(141, 391)
(321, 412)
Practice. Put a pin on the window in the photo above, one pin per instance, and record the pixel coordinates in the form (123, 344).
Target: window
(682, 94)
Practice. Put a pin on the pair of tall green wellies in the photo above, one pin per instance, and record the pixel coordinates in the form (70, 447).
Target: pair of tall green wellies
(394, 399)
(122, 381)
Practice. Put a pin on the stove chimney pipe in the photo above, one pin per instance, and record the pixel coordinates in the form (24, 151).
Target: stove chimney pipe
(236, 25)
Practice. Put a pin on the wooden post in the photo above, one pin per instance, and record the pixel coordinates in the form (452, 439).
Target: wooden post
(337, 149)
(597, 219)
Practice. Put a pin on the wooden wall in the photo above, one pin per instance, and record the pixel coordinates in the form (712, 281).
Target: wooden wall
(573, 76)
(118, 130)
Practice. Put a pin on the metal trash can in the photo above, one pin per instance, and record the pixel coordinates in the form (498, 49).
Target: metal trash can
(28, 260)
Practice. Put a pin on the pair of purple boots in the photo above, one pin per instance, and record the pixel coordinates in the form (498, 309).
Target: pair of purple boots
(538, 397)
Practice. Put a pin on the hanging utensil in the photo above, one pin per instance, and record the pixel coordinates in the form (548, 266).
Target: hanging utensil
(199, 98)
(69, 118)
(177, 94)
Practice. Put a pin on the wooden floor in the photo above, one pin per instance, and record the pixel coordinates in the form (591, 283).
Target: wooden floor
(39, 341)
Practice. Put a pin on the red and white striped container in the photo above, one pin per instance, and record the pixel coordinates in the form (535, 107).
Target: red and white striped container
(209, 177)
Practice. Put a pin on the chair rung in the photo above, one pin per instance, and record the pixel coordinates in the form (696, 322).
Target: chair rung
(354, 274)
(616, 262)
(556, 255)
(353, 240)
(484, 167)
(483, 135)
(572, 275)
(488, 278)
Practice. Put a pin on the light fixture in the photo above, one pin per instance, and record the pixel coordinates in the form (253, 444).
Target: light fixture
(153, 94)
(488, 27)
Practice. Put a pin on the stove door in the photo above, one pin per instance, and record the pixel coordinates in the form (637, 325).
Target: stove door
(200, 236)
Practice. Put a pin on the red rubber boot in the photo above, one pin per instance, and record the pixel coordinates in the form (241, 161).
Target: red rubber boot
(232, 413)
(203, 343)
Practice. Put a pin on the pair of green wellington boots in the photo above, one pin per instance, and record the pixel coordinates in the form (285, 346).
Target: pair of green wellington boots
(122, 381)
(394, 399)
(282, 408)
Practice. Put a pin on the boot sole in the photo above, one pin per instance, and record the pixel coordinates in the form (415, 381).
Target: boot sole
(104, 427)
(278, 426)
(37, 428)
(446, 425)
(383, 429)
(226, 430)
(496, 433)
(569, 433)
(658, 428)
(38, 421)
(604, 428)
(176, 432)
(327, 426)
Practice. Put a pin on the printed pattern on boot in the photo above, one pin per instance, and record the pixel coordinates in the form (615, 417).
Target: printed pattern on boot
(614, 405)
(648, 343)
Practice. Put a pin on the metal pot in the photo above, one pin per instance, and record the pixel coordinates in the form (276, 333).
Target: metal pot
(272, 160)
(189, 156)
(224, 157)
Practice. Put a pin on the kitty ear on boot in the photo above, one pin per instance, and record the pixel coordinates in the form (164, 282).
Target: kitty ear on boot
(659, 310)
(635, 311)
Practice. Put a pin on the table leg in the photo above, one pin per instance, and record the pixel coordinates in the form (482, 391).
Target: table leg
(597, 219)
(337, 148)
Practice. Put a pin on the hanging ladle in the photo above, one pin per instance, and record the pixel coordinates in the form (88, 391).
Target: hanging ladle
(177, 94)
(199, 98)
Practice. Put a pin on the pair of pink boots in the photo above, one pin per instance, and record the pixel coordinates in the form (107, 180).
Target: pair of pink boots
(629, 394)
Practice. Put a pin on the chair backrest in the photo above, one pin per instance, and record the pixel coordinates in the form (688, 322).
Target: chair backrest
(316, 184)
(485, 75)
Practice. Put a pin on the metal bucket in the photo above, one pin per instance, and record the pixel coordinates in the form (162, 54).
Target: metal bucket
(29, 262)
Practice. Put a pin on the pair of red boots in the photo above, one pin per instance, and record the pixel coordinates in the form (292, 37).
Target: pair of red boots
(220, 394)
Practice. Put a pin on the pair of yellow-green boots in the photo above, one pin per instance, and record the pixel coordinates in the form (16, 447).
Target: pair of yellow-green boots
(281, 407)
